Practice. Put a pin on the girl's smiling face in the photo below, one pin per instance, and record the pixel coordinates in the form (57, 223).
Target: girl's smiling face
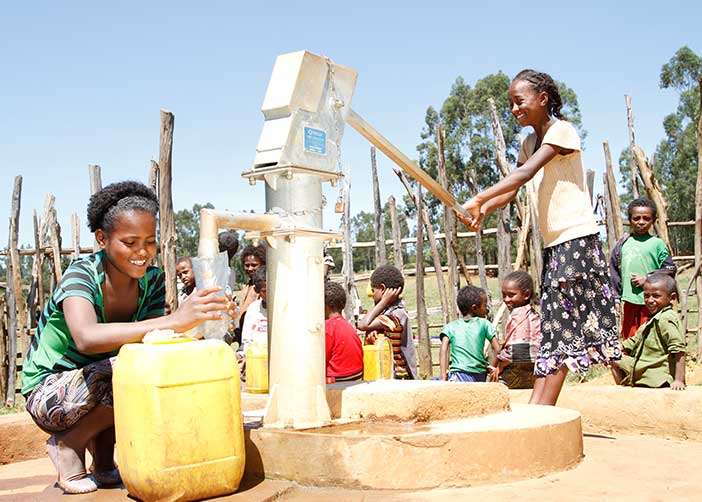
(528, 106)
(131, 245)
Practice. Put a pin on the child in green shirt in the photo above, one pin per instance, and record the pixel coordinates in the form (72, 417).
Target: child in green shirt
(464, 339)
(657, 350)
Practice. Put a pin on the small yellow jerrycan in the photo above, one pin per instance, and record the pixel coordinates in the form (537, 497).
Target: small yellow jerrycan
(178, 420)
(257, 368)
(377, 360)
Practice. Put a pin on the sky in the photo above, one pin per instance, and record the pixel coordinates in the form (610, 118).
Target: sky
(83, 82)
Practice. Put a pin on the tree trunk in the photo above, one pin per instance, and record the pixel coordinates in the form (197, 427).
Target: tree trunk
(449, 228)
(424, 349)
(612, 196)
(380, 257)
(632, 142)
(166, 217)
(396, 236)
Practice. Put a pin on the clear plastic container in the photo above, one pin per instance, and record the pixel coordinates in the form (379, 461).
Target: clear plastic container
(212, 272)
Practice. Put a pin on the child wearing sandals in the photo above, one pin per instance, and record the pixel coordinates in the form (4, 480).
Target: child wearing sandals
(103, 301)
(578, 321)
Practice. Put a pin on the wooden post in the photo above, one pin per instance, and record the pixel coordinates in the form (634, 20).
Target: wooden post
(522, 240)
(698, 230)
(609, 216)
(424, 216)
(655, 193)
(632, 142)
(449, 228)
(396, 236)
(75, 234)
(347, 249)
(590, 177)
(684, 303)
(166, 217)
(95, 176)
(55, 237)
(15, 300)
(153, 177)
(461, 262)
(36, 288)
(612, 196)
(479, 257)
(424, 348)
(537, 260)
(380, 256)
(4, 359)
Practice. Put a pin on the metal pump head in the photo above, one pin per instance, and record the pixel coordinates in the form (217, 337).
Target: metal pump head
(306, 103)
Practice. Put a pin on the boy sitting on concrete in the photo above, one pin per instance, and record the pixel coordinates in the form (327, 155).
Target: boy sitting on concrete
(344, 349)
(389, 317)
(657, 350)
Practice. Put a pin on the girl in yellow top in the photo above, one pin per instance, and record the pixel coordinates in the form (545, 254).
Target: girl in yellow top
(578, 321)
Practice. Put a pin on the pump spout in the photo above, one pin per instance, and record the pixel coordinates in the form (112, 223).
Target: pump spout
(212, 220)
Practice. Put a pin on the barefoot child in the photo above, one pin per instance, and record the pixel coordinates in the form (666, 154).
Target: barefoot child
(657, 350)
(635, 256)
(103, 301)
(389, 316)
(514, 363)
(462, 341)
(343, 345)
(578, 320)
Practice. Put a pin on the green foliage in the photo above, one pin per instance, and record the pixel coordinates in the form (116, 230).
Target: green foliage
(187, 224)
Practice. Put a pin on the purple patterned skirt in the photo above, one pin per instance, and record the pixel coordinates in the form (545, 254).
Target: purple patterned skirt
(578, 321)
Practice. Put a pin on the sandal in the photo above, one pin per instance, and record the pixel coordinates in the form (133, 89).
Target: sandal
(72, 486)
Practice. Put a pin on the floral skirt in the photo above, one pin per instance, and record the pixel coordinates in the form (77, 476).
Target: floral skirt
(578, 321)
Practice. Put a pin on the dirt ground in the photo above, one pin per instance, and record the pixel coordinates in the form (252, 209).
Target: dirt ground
(621, 467)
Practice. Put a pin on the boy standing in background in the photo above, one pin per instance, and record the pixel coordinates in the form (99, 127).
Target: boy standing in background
(636, 256)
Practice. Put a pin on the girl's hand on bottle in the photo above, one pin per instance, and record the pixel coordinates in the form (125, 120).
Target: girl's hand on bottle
(202, 305)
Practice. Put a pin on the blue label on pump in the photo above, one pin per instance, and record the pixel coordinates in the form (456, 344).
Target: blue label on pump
(315, 140)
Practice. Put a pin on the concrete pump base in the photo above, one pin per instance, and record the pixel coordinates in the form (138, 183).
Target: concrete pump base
(527, 442)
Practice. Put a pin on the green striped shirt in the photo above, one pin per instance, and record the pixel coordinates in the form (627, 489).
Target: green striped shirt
(53, 349)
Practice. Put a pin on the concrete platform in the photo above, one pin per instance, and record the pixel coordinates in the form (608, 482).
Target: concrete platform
(528, 441)
(415, 401)
(632, 410)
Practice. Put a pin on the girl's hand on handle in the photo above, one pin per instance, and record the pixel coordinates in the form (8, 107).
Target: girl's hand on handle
(473, 207)
(202, 305)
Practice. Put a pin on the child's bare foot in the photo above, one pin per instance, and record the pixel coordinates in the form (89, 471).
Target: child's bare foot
(70, 467)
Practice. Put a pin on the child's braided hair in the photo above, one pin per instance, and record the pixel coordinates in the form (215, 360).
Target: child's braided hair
(542, 82)
(107, 204)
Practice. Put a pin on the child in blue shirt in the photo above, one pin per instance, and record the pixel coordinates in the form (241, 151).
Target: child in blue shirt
(464, 339)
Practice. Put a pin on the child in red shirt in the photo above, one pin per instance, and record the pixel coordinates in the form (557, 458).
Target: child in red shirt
(344, 349)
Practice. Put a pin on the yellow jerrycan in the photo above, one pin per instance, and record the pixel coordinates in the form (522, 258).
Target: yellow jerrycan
(178, 420)
(257, 368)
(377, 360)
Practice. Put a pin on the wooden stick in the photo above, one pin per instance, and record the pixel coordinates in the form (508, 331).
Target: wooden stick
(15, 299)
(612, 196)
(449, 227)
(522, 240)
(347, 250)
(536, 253)
(609, 217)
(95, 177)
(396, 236)
(479, 257)
(632, 143)
(379, 217)
(36, 284)
(55, 238)
(4, 357)
(424, 347)
(684, 312)
(153, 177)
(166, 217)
(655, 193)
(75, 234)
(393, 153)
(461, 262)
(590, 177)
(698, 230)
(432, 243)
